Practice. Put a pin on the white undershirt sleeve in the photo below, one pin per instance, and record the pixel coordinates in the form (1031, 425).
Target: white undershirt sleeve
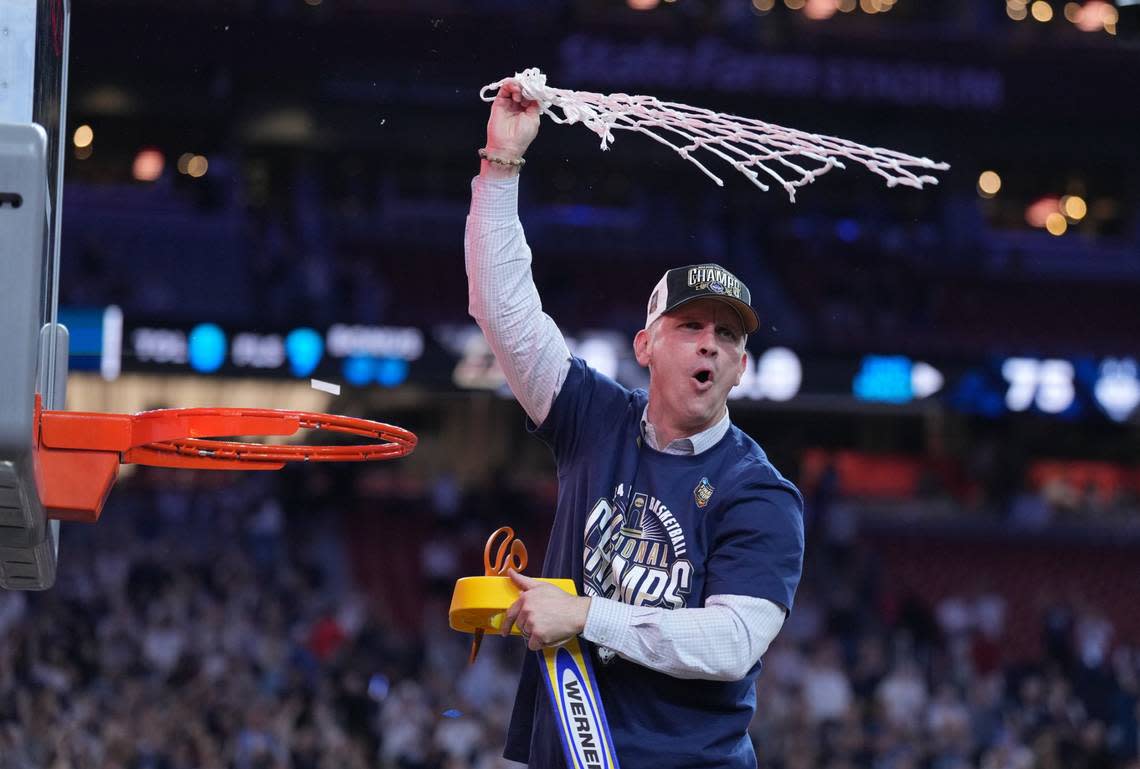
(504, 302)
(719, 642)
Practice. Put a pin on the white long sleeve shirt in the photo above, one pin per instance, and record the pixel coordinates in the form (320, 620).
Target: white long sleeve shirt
(721, 640)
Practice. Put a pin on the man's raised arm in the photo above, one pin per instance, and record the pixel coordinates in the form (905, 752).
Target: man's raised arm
(502, 297)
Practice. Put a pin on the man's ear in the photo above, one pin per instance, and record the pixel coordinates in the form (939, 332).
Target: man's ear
(641, 347)
(740, 369)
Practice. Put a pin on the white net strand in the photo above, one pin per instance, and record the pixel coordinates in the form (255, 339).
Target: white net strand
(790, 157)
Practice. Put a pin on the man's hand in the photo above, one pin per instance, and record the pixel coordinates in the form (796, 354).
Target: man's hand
(511, 128)
(546, 615)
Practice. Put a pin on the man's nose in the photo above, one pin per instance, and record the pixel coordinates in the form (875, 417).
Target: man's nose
(707, 342)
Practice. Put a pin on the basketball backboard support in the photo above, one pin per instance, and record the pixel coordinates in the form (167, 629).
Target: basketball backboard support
(34, 38)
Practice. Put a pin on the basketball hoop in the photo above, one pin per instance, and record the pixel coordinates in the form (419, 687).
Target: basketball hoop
(78, 453)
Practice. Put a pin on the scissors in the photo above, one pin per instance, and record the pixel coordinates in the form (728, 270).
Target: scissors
(511, 554)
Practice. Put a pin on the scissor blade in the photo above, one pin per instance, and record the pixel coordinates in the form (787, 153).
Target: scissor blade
(476, 642)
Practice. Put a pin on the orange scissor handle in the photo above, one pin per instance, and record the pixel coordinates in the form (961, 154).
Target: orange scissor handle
(511, 553)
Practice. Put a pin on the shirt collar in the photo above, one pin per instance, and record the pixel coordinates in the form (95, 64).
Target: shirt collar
(692, 444)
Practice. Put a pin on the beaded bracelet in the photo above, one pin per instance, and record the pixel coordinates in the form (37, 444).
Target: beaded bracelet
(515, 162)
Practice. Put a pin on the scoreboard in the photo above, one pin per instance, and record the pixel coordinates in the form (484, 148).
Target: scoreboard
(455, 357)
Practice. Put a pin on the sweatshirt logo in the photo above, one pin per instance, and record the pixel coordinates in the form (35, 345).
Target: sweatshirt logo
(703, 493)
(636, 556)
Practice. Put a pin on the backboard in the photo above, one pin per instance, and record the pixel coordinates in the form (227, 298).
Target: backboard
(34, 38)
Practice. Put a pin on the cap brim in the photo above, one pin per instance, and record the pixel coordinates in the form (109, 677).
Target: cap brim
(747, 315)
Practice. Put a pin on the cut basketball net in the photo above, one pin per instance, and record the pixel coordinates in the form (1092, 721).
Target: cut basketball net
(791, 158)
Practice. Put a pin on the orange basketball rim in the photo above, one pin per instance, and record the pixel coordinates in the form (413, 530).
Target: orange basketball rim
(78, 453)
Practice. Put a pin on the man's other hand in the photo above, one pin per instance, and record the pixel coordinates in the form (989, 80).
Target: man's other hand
(546, 615)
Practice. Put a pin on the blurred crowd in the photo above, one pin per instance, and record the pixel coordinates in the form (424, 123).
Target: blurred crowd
(865, 674)
(328, 249)
(205, 627)
(215, 621)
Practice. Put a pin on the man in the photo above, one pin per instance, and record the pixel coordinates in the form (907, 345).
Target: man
(685, 542)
